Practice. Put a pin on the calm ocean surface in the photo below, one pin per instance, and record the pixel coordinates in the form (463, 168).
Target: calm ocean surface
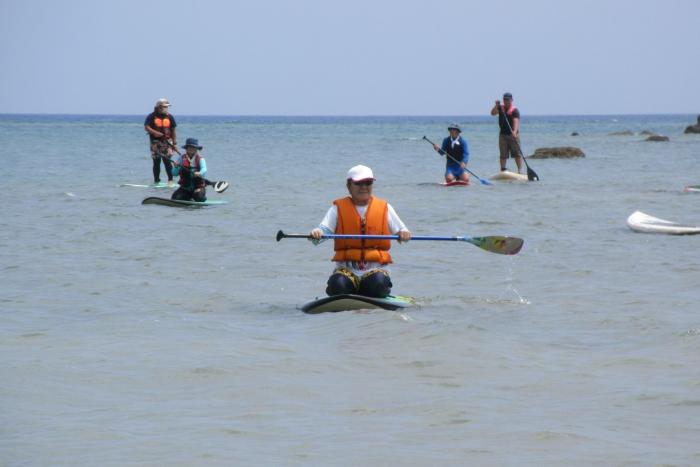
(146, 335)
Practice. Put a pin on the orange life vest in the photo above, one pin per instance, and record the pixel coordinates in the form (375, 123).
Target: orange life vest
(376, 223)
(510, 111)
(162, 124)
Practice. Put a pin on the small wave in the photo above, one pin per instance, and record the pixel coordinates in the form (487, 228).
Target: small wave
(555, 435)
(33, 335)
(687, 403)
(508, 301)
(491, 223)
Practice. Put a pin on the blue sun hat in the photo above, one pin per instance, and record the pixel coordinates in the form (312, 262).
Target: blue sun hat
(194, 142)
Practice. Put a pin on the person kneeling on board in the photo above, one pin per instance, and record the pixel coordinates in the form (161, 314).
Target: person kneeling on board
(191, 167)
(456, 154)
(361, 265)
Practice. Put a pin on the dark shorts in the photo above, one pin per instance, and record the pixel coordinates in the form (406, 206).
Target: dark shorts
(183, 194)
(456, 171)
(509, 146)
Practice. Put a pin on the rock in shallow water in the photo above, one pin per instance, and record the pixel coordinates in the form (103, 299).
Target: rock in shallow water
(564, 152)
(693, 128)
(657, 138)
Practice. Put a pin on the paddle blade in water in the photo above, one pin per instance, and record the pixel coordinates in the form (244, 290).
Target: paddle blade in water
(498, 244)
(220, 187)
(531, 175)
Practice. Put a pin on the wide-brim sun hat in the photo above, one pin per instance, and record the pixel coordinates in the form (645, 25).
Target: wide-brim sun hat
(360, 173)
(454, 126)
(194, 142)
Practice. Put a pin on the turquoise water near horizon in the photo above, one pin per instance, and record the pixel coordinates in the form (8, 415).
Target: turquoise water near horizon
(147, 335)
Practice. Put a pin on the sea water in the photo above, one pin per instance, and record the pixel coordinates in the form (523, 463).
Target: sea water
(147, 335)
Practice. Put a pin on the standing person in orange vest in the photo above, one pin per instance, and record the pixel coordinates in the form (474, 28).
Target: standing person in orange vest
(509, 137)
(361, 265)
(160, 126)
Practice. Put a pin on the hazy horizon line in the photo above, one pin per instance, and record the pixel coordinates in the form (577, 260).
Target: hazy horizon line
(337, 115)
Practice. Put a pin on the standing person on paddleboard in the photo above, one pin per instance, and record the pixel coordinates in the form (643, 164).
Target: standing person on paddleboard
(191, 167)
(457, 155)
(361, 265)
(160, 126)
(509, 136)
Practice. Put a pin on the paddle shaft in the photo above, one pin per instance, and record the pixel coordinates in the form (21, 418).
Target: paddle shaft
(494, 244)
(483, 182)
(531, 175)
(378, 237)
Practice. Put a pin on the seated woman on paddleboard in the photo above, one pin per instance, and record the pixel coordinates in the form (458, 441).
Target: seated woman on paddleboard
(361, 265)
(191, 167)
(456, 153)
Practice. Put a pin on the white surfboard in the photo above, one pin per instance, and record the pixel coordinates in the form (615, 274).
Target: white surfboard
(508, 176)
(640, 222)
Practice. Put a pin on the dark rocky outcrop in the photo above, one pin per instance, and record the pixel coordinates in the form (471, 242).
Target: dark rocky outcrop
(575, 133)
(622, 133)
(657, 138)
(693, 128)
(565, 152)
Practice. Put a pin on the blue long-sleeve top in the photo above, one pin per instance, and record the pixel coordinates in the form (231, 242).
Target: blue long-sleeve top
(447, 147)
(202, 164)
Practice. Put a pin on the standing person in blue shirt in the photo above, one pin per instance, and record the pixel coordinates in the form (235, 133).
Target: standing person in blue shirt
(160, 126)
(456, 153)
(191, 167)
(509, 137)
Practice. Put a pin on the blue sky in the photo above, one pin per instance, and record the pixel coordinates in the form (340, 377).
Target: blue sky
(364, 57)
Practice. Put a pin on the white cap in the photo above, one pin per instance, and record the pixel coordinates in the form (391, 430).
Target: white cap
(359, 173)
(162, 101)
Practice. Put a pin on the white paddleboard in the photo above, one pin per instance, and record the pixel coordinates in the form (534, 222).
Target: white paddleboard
(692, 189)
(508, 176)
(348, 302)
(640, 222)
